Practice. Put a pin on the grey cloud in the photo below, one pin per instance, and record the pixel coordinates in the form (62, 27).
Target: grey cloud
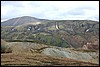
(11, 3)
(75, 12)
(78, 11)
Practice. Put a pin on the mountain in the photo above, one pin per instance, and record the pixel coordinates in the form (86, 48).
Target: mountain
(29, 41)
(21, 20)
(62, 33)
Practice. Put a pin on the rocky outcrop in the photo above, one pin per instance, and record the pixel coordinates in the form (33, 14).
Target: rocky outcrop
(83, 56)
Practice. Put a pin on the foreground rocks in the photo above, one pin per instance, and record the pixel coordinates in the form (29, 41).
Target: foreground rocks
(76, 57)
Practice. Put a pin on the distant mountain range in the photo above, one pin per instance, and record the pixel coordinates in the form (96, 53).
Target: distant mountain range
(62, 33)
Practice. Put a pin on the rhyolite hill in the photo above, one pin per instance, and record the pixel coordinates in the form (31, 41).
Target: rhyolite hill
(61, 33)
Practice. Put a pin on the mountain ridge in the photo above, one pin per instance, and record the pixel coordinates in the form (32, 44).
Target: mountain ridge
(28, 19)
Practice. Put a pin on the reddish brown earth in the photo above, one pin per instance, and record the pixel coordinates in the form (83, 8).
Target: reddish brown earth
(36, 59)
(94, 45)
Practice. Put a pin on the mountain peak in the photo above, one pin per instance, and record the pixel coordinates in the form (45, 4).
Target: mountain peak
(21, 20)
(27, 17)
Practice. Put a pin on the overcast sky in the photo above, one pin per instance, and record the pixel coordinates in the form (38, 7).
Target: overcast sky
(62, 10)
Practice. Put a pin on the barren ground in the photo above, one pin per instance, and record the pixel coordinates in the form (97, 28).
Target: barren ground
(36, 59)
